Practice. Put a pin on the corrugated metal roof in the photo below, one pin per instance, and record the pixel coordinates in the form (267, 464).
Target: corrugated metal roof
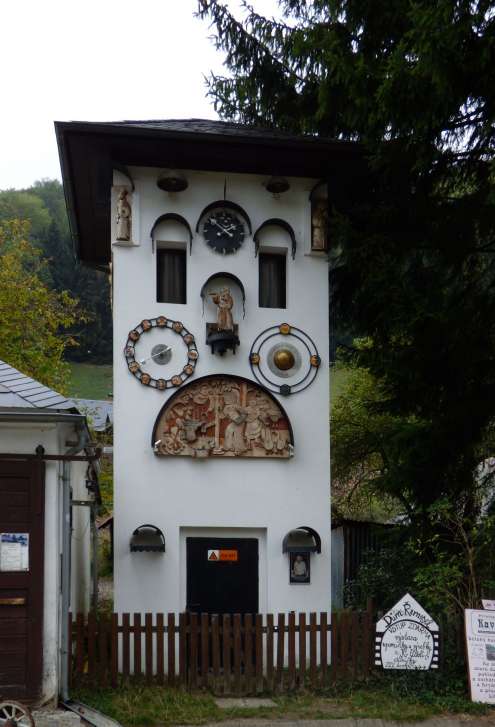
(19, 390)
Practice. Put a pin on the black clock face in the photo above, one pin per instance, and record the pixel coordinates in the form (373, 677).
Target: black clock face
(223, 231)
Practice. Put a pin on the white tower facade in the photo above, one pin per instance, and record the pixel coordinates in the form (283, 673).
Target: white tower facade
(221, 379)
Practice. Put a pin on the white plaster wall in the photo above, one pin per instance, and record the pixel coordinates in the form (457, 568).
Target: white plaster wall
(272, 496)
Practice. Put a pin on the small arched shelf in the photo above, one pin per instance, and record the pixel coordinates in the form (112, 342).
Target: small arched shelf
(302, 539)
(123, 170)
(276, 222)
(231, 277)
(171, 217)
(319, 191)
(147, 539)
(225, 203)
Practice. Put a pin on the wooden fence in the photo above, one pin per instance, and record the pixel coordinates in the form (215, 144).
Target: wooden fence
(226, 654)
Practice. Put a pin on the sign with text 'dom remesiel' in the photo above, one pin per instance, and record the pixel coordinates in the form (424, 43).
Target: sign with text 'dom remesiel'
(407, 637)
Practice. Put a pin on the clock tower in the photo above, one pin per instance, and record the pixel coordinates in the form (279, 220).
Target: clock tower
(217, 236)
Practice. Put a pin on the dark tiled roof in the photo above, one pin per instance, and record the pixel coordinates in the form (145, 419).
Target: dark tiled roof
(217, 128)
(18, 390)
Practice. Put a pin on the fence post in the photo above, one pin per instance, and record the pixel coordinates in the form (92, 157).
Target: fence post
(160, 649)
(302, 650)
(205, 642)
(291, 643)
(280, 650)
(323, 647)
(312, 649)
(183, 649)
(259, 652)
(171, 649)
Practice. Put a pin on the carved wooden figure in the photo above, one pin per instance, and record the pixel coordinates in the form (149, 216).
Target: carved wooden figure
(124, 217)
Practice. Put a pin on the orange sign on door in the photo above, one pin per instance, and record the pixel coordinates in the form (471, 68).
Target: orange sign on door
(217, 555)
(229, 555)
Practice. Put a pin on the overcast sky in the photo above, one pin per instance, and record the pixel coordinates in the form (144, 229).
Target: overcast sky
(96, 60)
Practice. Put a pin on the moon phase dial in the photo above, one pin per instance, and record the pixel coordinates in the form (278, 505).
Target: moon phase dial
(284, 359)
(155, 351)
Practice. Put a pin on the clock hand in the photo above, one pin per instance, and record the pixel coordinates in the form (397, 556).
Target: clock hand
(159, 353)
(224, 229)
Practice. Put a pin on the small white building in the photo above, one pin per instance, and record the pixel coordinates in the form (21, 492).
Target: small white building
(48, 495)
(216, 235)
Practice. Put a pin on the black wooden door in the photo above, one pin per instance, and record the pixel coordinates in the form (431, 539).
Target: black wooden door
(21, 591)
(215, 585)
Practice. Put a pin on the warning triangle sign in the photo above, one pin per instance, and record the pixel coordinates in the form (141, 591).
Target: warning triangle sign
(213, 556)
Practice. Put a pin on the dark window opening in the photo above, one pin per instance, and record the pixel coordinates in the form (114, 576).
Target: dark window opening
(171, 276)
(272, 280)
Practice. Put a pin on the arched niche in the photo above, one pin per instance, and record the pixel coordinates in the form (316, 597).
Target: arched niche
(275, 222)
(173, 219)
(223, 416)
(122, 176)
(227, 204)
(319, 216)
(220, 278)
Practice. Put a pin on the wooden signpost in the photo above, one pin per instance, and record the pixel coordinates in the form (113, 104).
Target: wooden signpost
(480, 648)
(407, 637)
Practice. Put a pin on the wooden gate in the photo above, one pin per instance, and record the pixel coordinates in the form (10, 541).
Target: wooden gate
(21, 577)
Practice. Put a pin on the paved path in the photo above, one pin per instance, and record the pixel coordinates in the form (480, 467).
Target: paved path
(460, 721)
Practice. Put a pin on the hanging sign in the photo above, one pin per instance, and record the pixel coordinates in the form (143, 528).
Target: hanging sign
(223, 555)
(407, 637)
(14, 551)
(480, 642)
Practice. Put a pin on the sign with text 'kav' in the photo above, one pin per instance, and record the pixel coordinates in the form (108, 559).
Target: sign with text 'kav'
(407, 637)
(480, 642)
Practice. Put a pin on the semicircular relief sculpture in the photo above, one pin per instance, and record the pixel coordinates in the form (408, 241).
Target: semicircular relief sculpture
(223, 416)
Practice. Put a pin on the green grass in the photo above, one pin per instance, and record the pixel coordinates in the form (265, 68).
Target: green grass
(383, 698)
(90, 381)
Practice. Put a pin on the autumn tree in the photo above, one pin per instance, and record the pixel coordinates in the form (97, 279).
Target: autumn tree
(34, 318)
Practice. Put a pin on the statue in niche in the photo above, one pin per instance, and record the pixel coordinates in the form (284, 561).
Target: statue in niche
(124, 217)
(223, 417)
(319, 225)
(224, 301)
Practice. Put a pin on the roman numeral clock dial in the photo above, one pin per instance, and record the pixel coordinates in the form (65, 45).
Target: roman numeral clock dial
(223, 231)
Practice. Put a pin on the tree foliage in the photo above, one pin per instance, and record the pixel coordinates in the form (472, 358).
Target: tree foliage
(413, 237)
(43, 206)
(34, 318)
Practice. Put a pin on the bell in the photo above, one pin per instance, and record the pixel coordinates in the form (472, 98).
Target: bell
(172, 181)
(277, 185)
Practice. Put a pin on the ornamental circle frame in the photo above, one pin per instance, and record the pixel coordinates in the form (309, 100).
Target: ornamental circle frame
(314, 360)
(161, 384)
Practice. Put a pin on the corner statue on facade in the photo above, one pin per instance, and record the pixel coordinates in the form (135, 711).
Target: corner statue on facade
(124, 216)
(224, 301)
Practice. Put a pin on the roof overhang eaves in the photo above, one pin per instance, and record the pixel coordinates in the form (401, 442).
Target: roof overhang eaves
(89, 150)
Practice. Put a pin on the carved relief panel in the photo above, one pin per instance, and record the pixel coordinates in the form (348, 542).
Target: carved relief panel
(223, 416)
